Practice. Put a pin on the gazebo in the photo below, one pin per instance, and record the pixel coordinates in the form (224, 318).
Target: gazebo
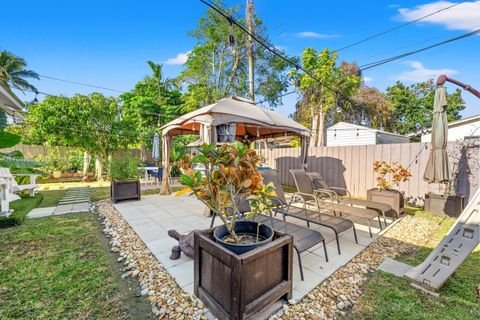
(227, 120)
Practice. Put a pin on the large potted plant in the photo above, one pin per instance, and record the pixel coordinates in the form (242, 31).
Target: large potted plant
(125, 184)
(241, 267)
(384, 193)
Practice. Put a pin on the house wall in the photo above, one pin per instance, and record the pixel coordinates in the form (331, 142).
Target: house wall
(346, 135)
(458, 132)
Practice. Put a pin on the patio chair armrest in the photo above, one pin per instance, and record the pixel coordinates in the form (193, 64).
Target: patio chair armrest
(342, 189)
(320, 193)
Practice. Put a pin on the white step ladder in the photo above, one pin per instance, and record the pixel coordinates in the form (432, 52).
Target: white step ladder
(455, 247)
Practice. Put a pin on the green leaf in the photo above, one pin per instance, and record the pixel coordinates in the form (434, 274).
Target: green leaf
(8, 140)
(186, 180)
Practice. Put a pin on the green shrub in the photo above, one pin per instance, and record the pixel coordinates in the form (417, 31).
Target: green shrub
(20, 208)
(124, 169)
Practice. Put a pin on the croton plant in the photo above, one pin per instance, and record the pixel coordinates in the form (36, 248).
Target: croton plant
(230, 175)
(397, 171)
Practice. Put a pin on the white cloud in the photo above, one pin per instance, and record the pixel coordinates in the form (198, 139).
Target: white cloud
(420, 73)
(465, 16)
(367, 79)
(181, 58)
(315, 35)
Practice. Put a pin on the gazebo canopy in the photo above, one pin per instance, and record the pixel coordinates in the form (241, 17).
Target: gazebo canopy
(249, 123)
(252, 121)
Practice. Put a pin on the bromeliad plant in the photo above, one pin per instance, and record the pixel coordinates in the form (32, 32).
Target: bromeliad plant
(230, 175)
(397, 171)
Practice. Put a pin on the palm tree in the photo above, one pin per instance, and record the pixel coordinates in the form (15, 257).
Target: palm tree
(13, 73)
(163, 83)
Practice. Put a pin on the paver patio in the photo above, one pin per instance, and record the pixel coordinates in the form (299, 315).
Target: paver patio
(154, 215)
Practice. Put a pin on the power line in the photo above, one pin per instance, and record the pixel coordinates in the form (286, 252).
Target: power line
(81, 83)
(400, 56)
(398, 27)
(281, 96)
(271, 48)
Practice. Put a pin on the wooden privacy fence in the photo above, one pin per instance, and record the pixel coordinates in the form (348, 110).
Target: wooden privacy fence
(351, 167)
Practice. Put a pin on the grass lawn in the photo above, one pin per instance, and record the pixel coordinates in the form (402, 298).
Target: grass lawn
(388, 297)
(60, 268)
(52, 192)
(21, 208)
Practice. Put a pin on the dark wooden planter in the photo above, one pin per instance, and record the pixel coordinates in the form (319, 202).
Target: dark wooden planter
(394, 198)
(444, 205)
(125, 190)
(242, 286)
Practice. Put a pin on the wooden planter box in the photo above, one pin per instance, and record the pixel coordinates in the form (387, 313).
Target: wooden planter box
(125, 190)
(242, 286)
(394, 198)
(444, 205)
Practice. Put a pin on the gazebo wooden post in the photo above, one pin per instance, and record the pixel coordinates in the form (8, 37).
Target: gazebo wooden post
(167, 141)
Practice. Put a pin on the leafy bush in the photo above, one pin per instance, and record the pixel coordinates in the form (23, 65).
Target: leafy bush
(54, 161)
(397, 171)
(124, 169)
(231, 175)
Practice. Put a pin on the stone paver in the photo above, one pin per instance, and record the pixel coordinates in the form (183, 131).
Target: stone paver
(394, 267)
(154, 215)
(40, 212)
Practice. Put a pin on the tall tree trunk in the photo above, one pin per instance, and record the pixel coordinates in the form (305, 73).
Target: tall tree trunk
(99, 167)
(251, 62)
(321, 129)
(318, 128)
(86, 162)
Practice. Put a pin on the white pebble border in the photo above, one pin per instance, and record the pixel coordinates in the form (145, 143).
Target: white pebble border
(167, 299)
(329, 300)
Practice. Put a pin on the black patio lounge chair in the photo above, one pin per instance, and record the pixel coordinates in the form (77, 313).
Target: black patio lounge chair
(308, 195)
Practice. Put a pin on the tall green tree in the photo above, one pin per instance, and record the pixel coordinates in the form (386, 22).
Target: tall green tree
(13, 72)
(215, 68)
(413, 105)
(155, 101)
(318, 103)
(94, 123)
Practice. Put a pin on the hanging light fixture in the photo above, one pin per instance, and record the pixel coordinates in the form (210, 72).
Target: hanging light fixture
(35, 100)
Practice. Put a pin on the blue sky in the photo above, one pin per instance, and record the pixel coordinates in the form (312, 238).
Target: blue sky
(107, 42)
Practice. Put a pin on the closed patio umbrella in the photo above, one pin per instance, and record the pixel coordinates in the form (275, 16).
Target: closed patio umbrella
(156, 148)
(438, 169)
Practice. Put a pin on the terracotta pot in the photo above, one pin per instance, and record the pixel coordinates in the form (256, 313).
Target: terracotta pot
(57, 174)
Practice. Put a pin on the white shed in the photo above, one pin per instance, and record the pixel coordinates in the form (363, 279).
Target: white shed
(458, 130)
(349, 134)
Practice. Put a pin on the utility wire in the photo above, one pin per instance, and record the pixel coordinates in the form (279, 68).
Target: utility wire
(398, 27)
(281, 96)
(403, 55)
(271, 48)
(80, 83)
